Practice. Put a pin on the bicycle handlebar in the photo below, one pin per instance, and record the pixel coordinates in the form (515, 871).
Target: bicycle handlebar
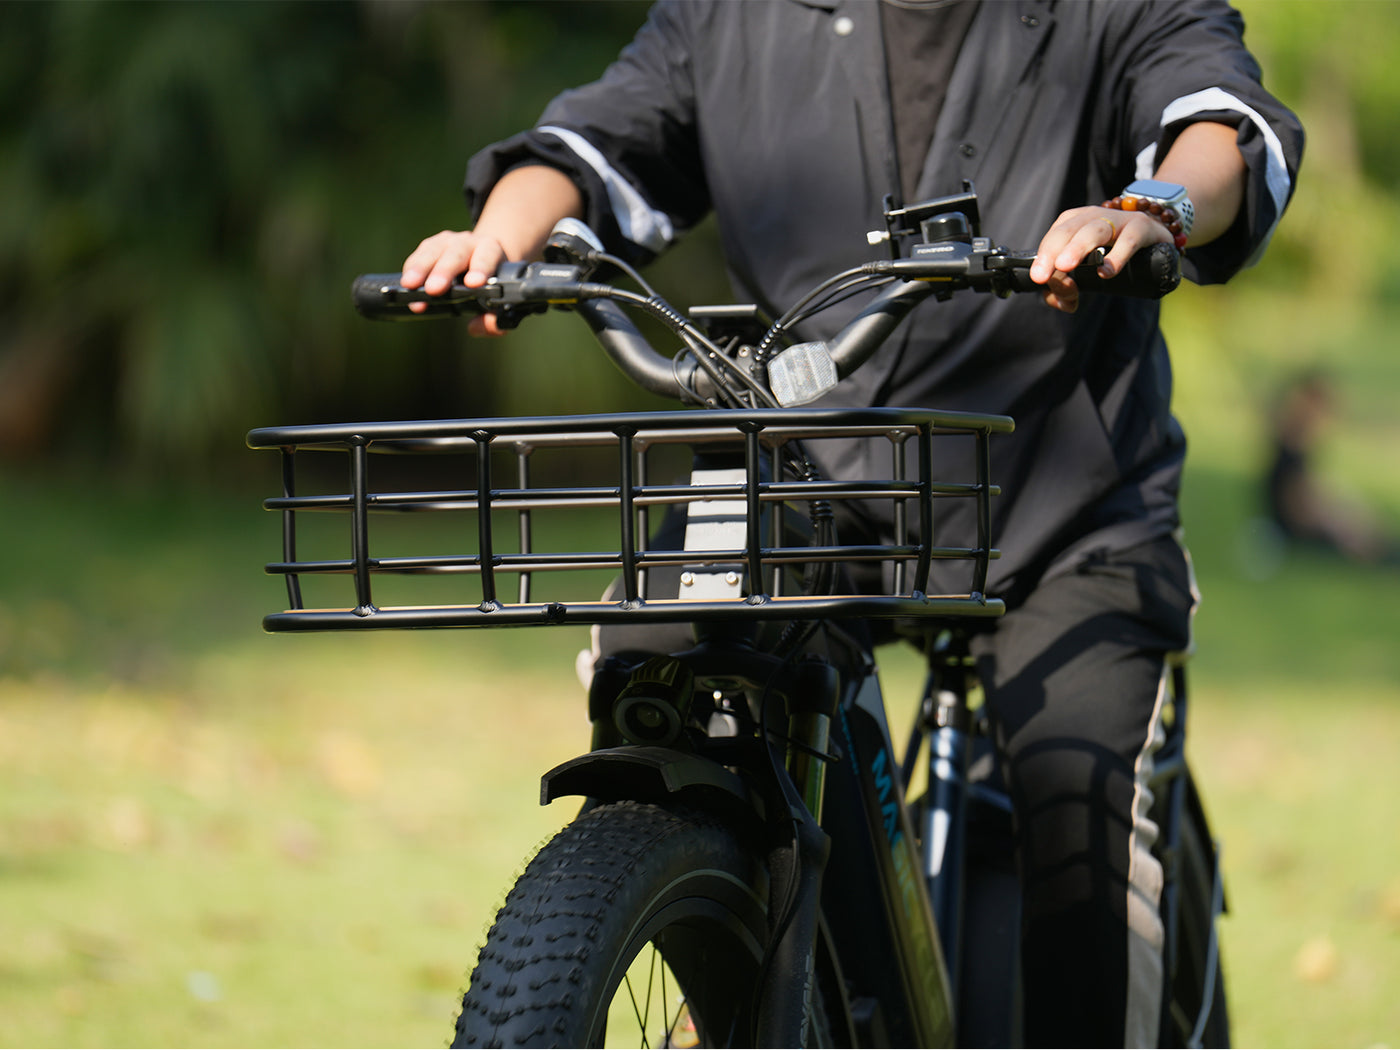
(1151, 273)
(931, 269)
(520, 289)
(532, 287)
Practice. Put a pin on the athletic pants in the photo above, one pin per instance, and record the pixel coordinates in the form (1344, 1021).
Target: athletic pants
(1075, 679)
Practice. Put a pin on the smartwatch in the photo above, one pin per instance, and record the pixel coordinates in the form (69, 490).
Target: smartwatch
(1166, 195)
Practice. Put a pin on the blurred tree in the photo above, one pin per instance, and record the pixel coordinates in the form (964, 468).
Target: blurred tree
(1334, 62)
(189, 188)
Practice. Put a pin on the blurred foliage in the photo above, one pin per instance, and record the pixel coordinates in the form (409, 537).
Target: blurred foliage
(189, 187)
(1334, 63)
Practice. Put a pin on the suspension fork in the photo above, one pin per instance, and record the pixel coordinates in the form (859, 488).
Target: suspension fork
(798, 861)
(945, 720)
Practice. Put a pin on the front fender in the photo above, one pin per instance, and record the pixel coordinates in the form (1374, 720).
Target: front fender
(651, 774)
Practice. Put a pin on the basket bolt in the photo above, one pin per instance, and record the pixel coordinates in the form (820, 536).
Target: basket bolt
(687, 578)
(731, 578)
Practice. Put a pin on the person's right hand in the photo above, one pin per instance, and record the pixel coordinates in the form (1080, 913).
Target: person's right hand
(442, 258)
(514, 224)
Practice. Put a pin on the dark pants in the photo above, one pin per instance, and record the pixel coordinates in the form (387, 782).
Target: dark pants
(1074, 678)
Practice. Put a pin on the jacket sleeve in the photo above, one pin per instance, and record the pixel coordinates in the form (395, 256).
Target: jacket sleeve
(1178, 63)
(628, 141)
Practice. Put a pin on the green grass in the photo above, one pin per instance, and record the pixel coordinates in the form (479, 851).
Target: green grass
(210, 836)
(1296, 717)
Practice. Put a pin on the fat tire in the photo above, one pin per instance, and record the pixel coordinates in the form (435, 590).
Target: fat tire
(619, 877)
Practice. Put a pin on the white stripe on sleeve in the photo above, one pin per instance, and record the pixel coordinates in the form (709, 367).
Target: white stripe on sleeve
(640, 223)
(1217, 99)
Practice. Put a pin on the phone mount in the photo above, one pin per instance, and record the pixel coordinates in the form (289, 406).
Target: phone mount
(955, 218)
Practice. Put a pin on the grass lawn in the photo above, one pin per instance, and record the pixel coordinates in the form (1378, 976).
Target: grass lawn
(214, 837)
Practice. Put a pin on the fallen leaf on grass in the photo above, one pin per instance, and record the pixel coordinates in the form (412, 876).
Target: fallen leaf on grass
(1317, 960)
(348, 764)
(127, 825)
(438, 976)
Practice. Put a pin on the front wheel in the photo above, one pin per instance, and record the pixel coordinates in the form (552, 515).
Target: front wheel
(635, 925)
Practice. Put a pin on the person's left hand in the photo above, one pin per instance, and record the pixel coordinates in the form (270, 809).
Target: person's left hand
(1078, 232)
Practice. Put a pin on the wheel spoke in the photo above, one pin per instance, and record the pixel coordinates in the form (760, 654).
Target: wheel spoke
(636, 1010)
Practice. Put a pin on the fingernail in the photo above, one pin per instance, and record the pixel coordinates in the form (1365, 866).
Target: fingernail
(1106, 270)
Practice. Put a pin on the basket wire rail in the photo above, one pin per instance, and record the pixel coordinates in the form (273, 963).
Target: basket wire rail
(763, 560)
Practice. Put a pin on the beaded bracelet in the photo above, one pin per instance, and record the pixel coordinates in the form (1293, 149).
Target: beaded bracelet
(1166, 216)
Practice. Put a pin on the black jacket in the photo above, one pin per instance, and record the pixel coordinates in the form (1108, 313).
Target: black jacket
(775, 115)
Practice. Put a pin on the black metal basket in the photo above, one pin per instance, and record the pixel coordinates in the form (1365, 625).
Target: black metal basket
(748, 578)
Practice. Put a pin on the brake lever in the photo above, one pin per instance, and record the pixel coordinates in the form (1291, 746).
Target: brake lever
(507, 317)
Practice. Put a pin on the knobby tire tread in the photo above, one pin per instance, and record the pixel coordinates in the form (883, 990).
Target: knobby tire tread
(551, 960)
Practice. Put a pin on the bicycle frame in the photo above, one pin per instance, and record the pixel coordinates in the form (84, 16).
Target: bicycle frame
(902, 993)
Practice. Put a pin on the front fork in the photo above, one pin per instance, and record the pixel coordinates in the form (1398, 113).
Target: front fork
(798, 854)
(645, 707)
(945, 720)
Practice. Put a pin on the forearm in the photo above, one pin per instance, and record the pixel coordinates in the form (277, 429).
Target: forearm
(1205, 159)
(524, 207)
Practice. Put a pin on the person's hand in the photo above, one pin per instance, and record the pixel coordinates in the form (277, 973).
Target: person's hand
(1078, 232)
(442, 258)
(514, 224)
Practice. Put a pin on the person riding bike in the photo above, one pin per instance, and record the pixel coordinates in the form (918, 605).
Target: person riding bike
(788, 120)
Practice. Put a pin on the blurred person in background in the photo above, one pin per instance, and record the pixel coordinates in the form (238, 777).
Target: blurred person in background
(1302, 508)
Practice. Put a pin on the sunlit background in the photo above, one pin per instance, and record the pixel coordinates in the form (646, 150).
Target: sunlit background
(211, 836)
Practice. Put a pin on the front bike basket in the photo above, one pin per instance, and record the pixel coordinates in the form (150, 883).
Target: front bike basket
(531, 519)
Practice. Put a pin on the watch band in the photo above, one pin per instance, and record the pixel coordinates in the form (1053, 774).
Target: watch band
(1166, 201)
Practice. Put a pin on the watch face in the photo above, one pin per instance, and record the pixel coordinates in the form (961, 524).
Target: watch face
(1155, 190)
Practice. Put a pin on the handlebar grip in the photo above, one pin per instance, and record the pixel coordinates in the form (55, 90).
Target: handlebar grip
(1151, 273)
(382, 297)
